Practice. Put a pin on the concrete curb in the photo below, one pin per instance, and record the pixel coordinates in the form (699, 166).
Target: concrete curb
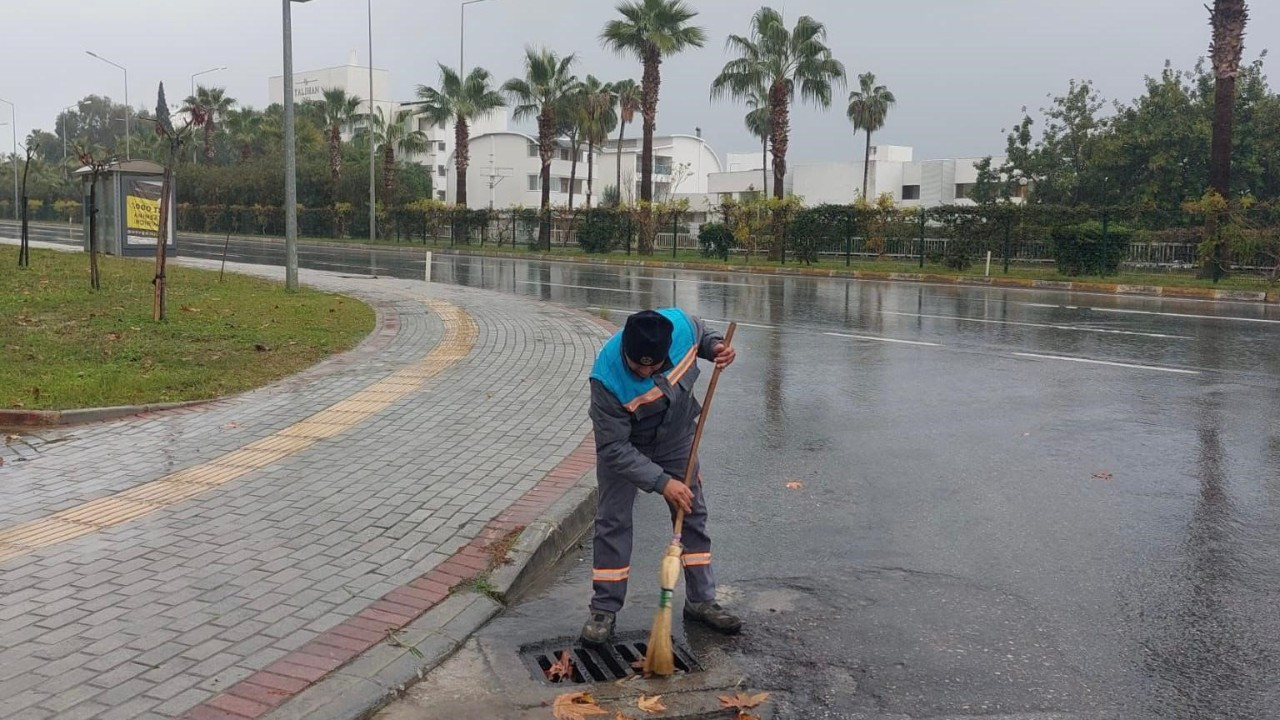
(79, 416)
(384, 672)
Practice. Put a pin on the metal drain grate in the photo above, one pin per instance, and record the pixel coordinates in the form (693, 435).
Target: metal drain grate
(604, 664)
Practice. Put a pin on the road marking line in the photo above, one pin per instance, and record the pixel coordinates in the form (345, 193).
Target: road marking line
(460, 332)
(576, 287)
(1186, 315)
(882, 339)
(1041, 325)
(740, 324)
(1106, 362)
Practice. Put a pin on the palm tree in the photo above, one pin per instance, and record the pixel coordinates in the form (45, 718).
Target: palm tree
(628, 93)
(389, 138)
(597, 114)
(651, 30)
(541, 93)
(337, 112)
(868, 108)
(462, 102)
(245, 127)
(216, 104)
(757, 122)
(780, 60)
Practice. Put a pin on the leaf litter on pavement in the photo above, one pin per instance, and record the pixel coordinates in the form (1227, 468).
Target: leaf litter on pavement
(562, 670)
(576, 706)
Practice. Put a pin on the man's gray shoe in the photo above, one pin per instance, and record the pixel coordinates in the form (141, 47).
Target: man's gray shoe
(598, 629)
(713, 616)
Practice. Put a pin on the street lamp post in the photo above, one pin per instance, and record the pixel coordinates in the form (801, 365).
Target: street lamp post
(290, 159)
(193, 95)
(13, 128)
(128, 108)
(373, 188)
(462, 37)
(203, 72)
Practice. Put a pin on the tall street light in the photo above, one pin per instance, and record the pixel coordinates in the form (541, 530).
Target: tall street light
(193, 94)
(462, 37)
(373, 188)
(203, 72)
(290, 159)
(62, 116)
(13, 127)
(128, 108)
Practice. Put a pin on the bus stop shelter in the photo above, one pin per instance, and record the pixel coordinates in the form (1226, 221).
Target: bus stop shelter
(128, 202)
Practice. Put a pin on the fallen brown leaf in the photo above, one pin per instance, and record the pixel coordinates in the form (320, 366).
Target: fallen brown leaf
(231, 425)
(742, 701)
(638, 665)
(562, 670)
(188, 308)
(794, 485)
(1102, 475)
(575, 706)
(651, 704)
(112, 337)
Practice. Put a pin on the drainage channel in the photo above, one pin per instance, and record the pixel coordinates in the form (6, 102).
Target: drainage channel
(611, 662)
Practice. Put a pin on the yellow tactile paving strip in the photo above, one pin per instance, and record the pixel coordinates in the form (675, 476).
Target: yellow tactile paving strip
(459, 338)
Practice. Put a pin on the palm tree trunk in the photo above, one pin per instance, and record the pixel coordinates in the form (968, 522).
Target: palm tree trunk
(591, 169)
(335, 154)
(573, 171)
(208, 141)
(649, 107)
(461, 136)
(764, 163)
(866, 167)
(622, 128)
(1228, 19)
(388, 174)
(546, 147)
(779, 115)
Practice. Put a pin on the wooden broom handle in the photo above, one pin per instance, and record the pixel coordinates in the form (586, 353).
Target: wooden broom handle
(702, 421)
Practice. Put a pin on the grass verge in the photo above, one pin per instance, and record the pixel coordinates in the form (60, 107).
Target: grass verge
(65, 346)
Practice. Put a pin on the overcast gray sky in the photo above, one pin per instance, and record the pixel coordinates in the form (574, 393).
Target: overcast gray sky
(961, 69)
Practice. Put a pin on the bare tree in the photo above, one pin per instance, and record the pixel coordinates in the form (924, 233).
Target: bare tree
(24, 246)
(175, 138)
(97, 165)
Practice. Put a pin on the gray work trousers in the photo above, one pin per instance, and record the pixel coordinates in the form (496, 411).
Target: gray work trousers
(613, 534)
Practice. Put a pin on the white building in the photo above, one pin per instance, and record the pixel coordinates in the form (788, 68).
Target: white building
(681, 166)
(309, 85)
(441, 142)
(505, 171)
(891, 171)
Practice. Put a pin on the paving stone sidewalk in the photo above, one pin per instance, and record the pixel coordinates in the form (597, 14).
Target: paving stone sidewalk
(213, 561)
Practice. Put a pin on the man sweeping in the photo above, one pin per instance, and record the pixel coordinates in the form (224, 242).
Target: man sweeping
(645, 414)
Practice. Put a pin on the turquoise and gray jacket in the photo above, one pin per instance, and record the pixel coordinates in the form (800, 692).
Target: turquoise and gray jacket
(638, 419)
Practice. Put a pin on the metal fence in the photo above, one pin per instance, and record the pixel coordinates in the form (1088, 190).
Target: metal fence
(1153, 239)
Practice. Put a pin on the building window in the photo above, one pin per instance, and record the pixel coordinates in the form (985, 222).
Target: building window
(910, 192)
(441, 170)
(440, 195)
(440, 146)
(963, 190)
(533, 149)
(661, 165)
(534, 183)
(564, 186)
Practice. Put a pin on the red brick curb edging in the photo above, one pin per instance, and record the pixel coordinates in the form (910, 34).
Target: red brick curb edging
(287, 677)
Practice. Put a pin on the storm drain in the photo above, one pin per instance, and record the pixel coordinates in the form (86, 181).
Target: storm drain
(614, 661)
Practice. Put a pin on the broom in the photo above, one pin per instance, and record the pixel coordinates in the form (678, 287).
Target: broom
(659, 658)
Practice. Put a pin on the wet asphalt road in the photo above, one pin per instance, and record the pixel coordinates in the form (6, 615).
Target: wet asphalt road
(1010, 502)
